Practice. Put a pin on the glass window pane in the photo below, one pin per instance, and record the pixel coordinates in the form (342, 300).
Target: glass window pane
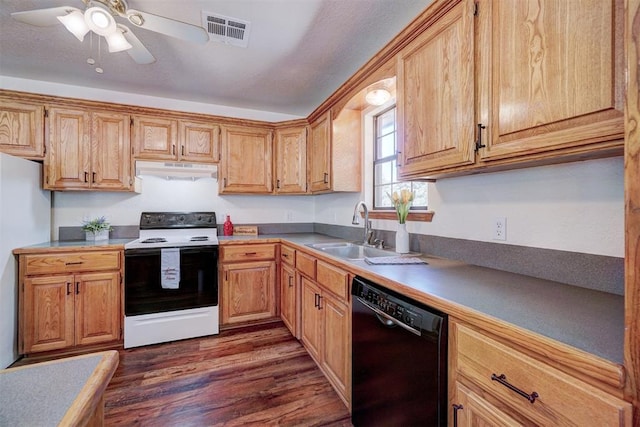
(382, 200)
(383, 173)
(399, 186)
(386, 122)
(386, 146)
(394, 171)
(420, 190)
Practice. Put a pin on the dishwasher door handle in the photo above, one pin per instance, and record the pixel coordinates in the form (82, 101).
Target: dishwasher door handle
(387, 320)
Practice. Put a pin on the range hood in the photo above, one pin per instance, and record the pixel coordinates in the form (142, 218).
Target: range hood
(174, 170)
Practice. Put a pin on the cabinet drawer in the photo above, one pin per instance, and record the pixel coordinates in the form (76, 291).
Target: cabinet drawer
(288, 255)
(332, 278)
(71, 262)
(306, 264)
(561, 400)
(248, 252)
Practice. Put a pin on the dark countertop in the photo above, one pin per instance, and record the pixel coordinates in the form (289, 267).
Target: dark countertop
(59, 392)
(588, 320)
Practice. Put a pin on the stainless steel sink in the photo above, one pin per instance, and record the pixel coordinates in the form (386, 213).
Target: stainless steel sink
(351, 251)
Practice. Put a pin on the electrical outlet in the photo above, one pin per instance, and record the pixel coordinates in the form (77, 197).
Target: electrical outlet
(500, 228)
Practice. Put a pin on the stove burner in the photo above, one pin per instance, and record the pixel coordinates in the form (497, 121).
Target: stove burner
(154, 240)
(199, 238)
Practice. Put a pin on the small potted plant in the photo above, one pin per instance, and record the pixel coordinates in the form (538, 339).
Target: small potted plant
(96, 229)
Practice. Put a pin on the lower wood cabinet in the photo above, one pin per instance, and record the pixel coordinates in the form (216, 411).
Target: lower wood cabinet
(325, 326)
(495, 384)
(288, 298)
(62, 309)
(248, 283)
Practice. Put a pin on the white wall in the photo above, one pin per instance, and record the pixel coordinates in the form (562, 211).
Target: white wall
(575, 207)
(158, 194)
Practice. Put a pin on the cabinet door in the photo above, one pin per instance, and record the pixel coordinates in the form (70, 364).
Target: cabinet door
(544, 85)
(248, 291)
(22, 129)
(155, 138)
(111, 151)
(320, 154)
(435, 98)
(97, 308)
(69, 157)
(311, 325)
(291, 160)
(476, 411)
(199, 142)
(247, 160)
(48, 313)
(336, 360)
(288, 298)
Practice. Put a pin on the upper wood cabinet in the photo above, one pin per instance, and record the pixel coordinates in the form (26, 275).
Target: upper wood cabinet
(246, 165)
(335, 153)
(545, 85)
(22, 129)
(157, 138)
(534, 91)
(320, 154)
(199, 141)
(435, 95)
(87, 150)
(291, 160)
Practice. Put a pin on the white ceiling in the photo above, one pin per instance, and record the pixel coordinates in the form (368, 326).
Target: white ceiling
(299, 53)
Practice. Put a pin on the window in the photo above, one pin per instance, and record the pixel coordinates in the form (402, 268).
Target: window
(385, 179)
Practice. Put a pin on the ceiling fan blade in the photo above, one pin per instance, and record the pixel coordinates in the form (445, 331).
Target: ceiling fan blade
(170, 27)
(43, 17)
(138, 52)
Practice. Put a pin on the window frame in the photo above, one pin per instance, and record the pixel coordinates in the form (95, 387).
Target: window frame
(394, 157)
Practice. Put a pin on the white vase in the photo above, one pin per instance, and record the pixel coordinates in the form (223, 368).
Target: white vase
(100, 235)
(402, 239)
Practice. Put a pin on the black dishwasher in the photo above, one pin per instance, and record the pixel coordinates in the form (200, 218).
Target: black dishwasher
(399, 355)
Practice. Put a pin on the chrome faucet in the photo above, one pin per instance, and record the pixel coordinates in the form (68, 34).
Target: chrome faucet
(368, 232)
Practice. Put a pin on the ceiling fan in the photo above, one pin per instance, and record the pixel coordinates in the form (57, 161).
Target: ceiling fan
(98, 17)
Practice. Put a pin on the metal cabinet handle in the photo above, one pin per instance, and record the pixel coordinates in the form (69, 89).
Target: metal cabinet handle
(251, 253)
(73, 263)
(479, 143)
(68, 288)
(326, 178)
(398, 156)
(502, 379)
(456, 408)
(278, 184)
(93, 177)
(315, 300)
(182, 150)
(290, 280)
(173, 149)
(86, 177)
(77, 288)
(319, 302)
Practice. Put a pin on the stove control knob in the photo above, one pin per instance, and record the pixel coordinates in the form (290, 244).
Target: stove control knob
(181, 218)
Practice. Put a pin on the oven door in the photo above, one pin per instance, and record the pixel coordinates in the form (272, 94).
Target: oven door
(198, 287)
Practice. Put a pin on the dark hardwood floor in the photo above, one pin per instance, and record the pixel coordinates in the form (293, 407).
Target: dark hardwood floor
(259, 376)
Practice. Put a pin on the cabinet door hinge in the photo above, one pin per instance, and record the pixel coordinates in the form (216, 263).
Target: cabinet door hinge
(476, 10)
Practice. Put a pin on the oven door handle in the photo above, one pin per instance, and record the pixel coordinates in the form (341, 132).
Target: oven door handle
(387, 320)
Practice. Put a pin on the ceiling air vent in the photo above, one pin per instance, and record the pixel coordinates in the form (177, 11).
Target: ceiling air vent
(226, 30)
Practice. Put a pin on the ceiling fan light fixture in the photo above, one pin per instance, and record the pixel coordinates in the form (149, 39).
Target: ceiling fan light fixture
(136, 19)
(100, 21)
(117, 42)
(75, 23)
